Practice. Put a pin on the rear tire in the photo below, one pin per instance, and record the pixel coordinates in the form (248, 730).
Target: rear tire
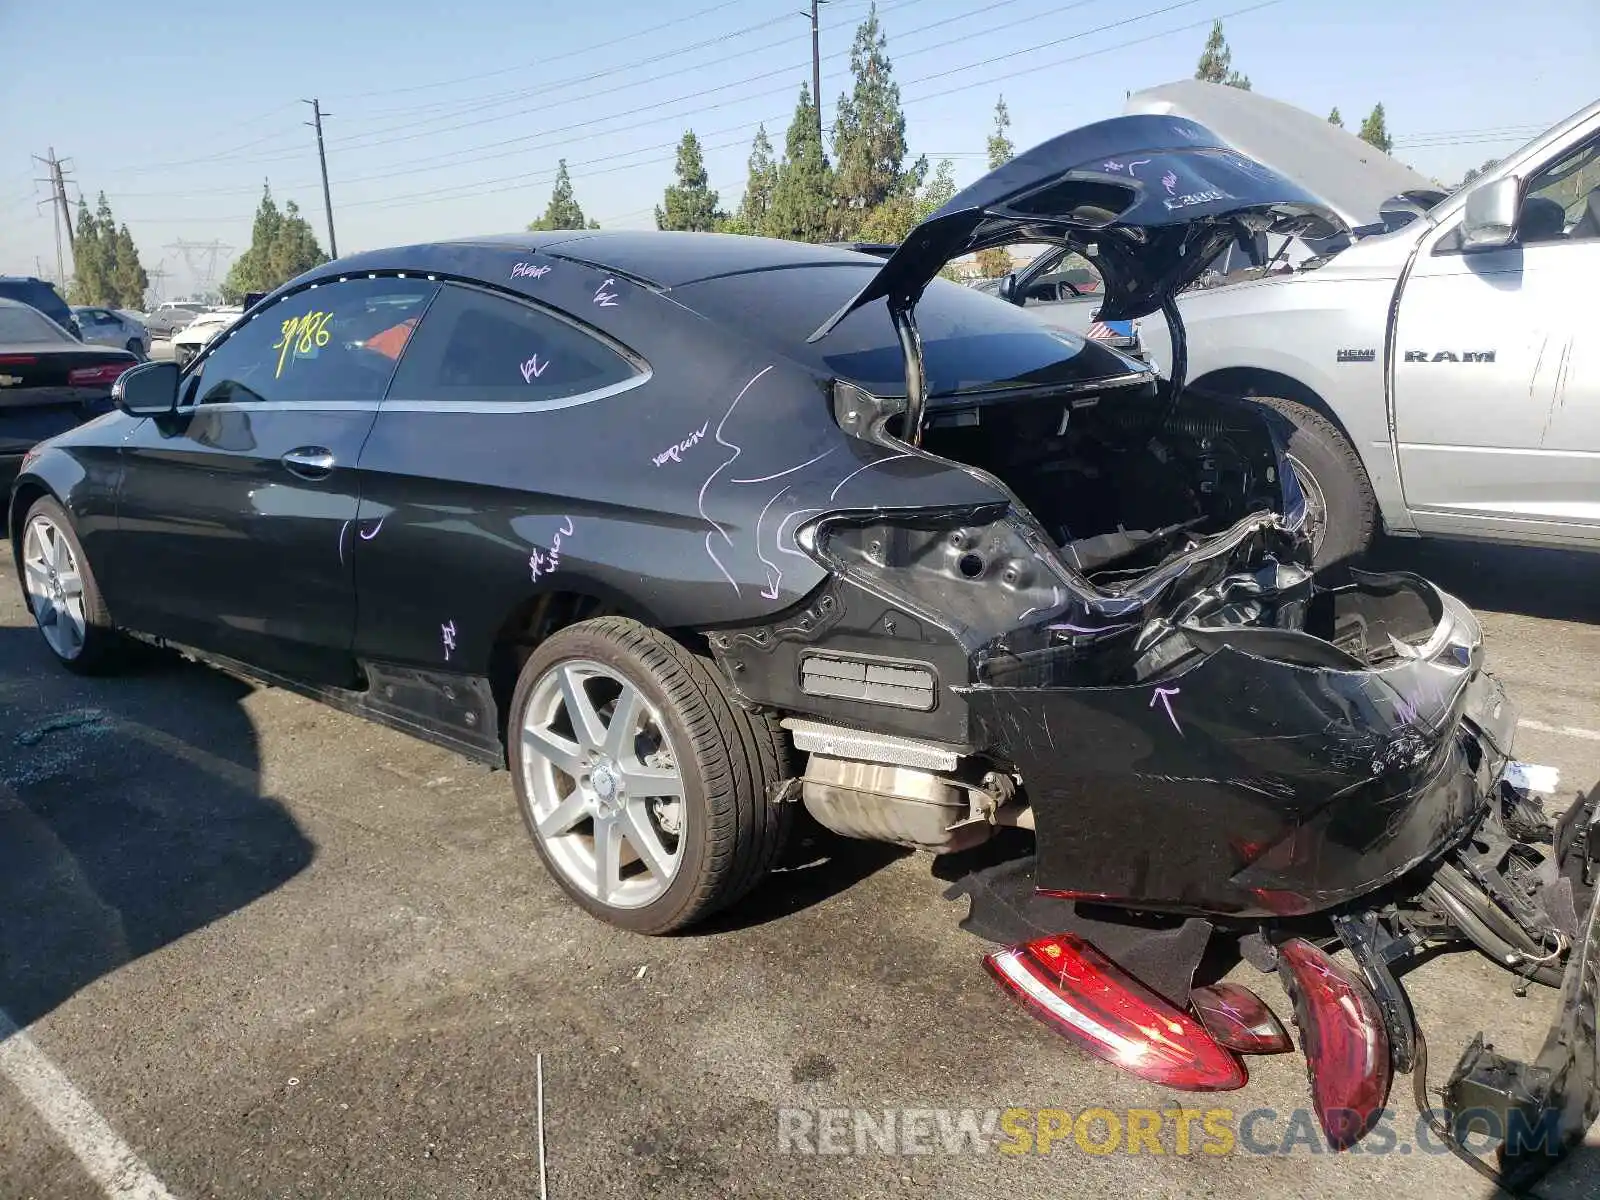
(1341, 510)
(664, 823)
(62, 594)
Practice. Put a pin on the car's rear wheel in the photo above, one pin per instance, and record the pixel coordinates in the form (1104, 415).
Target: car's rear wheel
(62, 593)
(647, 793)
(1341, 511)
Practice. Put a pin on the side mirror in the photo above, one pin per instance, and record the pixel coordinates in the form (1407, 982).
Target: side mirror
(1007, 289)
(147, 390)
(1490, 219)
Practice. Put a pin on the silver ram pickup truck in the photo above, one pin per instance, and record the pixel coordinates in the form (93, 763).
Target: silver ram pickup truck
(1442, 376)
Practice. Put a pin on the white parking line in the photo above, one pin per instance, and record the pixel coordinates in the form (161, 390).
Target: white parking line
(108, 1159)
(1588, 735)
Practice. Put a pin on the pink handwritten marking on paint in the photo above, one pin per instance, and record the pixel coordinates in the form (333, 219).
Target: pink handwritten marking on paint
(604, 298)
(528, 271)
(533, 368)
(367, 537)
(448, 633)
(1170, 182)
(1165, 696)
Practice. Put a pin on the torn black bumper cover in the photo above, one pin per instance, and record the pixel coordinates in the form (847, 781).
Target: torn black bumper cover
(1271, 772)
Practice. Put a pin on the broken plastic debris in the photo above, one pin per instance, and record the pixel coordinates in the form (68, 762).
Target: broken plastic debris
(1530, 777)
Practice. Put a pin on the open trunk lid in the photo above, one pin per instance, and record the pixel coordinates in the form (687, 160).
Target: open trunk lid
(1151, 199)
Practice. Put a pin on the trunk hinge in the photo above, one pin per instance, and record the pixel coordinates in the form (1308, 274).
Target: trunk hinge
(905, 326)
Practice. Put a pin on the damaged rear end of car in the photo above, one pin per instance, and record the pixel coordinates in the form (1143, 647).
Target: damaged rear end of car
(1124, 649)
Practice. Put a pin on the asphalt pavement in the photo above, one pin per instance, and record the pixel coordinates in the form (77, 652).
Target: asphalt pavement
(255, 947)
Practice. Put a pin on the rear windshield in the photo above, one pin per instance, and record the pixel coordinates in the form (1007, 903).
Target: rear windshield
(970, 340)
(20, 326)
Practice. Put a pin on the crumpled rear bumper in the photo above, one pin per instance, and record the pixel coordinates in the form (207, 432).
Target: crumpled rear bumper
(1250, 784)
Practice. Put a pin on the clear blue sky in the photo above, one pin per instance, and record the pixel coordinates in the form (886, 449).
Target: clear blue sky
(448, 119)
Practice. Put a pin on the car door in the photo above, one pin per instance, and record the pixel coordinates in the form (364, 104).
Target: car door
(488, 397)
(1497, 370)
(234, 514)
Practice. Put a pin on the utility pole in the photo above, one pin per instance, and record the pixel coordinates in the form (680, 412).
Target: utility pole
(327, 200)
(816, 65)
(62, 215)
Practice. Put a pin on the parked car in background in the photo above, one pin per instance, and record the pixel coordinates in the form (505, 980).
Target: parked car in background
(197, 334)
(49, 382)
(172, 315)
(112, 327)
(42, 295)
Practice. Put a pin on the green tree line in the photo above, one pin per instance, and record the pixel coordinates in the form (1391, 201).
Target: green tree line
(108, 272)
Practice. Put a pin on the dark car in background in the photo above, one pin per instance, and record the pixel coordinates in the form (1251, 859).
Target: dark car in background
(42, 295)
(49, 382)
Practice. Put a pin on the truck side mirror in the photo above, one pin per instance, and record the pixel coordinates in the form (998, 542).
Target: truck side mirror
(1490, 219)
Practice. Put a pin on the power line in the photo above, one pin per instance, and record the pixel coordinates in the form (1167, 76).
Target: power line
(432, 163)
(528, 179)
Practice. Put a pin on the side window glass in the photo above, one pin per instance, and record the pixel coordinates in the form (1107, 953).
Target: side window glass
(335, 342)
(475, 346)
(1562, 201)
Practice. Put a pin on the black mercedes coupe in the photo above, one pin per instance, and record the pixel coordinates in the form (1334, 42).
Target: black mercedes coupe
(688, 529)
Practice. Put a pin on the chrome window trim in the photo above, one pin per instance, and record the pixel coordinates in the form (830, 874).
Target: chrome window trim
(485, 407)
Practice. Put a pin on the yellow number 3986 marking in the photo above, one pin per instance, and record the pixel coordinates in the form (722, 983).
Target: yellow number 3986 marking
(300, 334)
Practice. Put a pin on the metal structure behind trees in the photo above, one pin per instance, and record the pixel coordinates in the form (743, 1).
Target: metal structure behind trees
(61, 213)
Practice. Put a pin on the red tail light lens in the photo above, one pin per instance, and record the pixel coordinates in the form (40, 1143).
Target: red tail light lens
(1083, 995)
(17, 360)
(106, 373)
(1346, 1044)
(1239, 1019)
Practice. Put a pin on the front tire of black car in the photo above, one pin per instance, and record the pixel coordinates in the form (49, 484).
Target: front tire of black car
(62, 593)
(661, 821)
(1341, 511)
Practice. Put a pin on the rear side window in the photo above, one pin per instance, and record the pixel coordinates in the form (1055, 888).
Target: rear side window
(475, 347)
(337, 342)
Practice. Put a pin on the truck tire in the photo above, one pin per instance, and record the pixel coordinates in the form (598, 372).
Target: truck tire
(1342, 512)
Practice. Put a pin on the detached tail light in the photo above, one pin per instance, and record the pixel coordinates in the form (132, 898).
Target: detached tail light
(1345, 1042)
(106, 373)
(1086, 997)
(1239, 1019)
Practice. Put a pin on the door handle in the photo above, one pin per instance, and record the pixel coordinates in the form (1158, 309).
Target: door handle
(309, 462)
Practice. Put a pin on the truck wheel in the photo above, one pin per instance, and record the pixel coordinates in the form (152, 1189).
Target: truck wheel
(1341, 511)
(647, 792)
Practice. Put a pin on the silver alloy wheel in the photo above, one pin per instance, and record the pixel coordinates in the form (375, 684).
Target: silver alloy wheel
(54, 586)
(604, 785)
(1316, 504)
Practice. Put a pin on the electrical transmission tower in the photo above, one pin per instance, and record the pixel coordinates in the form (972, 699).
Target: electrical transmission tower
(61, 214)
(197, 253)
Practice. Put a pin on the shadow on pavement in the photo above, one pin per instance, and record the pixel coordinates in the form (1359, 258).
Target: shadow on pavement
(131, 814)
(1558, 585)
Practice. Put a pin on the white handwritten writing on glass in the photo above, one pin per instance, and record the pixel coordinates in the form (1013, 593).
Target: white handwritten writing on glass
(528, 271)
(604, 298)
(447, 631)
(533, 368)
(544, 562)
(674, 453)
